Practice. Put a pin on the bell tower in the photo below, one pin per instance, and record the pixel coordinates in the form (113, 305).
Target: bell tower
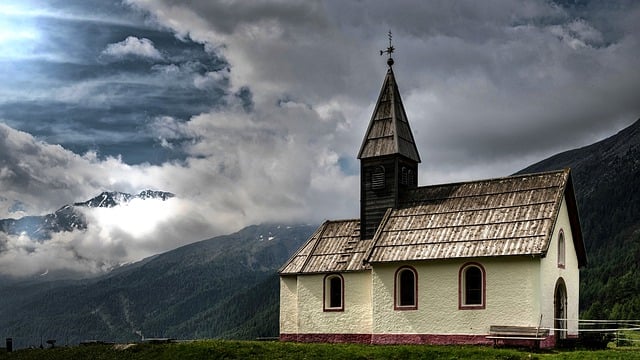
(388, 155)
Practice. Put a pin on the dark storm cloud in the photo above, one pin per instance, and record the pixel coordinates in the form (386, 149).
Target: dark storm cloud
(489, 86)
(228, 17)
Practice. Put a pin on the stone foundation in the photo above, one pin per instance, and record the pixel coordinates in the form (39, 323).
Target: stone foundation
(430, 339)
(328, 338)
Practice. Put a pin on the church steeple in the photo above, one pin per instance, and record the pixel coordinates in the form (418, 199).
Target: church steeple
(389, 132)
(388, 156)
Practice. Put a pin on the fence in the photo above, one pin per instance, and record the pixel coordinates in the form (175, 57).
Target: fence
(618, 330)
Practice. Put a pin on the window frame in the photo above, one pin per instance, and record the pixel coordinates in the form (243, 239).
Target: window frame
(326, 292)
(397, 288)
(462, 287)
(562, 250)
(404, 176)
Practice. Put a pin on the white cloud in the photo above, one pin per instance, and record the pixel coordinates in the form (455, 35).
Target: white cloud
(244, 169)
(133, 46)
(209, 79)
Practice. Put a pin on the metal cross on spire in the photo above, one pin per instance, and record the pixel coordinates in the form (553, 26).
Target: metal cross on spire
(388, 51)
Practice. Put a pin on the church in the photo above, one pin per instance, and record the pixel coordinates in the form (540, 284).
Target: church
(439, 264)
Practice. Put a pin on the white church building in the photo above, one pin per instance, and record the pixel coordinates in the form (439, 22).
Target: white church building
(441, 264)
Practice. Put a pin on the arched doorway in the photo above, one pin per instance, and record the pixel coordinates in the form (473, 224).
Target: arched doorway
(560, 310)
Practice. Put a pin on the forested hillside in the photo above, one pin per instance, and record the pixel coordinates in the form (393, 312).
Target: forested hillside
(225, 287)
(607, 184)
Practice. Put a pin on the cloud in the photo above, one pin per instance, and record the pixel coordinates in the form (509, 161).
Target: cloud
(488, 88)
(21, 257)
(133, 47)
(39, 175)
(89, 104)
(115, 236)
(242, 169)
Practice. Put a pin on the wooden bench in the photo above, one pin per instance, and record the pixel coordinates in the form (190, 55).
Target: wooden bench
(525, 333)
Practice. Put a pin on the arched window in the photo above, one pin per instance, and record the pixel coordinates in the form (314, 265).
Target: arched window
(561, 250)
(378, 178)
(406, 289)
(472, 286)
(333, 292)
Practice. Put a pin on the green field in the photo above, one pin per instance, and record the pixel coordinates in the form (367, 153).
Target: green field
(219, 349)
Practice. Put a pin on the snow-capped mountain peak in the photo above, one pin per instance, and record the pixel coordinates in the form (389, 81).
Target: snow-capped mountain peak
(68, 218)
(108, 199)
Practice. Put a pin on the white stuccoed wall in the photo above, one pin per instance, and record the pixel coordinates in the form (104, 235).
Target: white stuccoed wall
(288, 304)
(356, 317)
(512, 286)
(550, 273)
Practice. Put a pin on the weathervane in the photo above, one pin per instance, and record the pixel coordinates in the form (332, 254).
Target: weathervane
(388, 51)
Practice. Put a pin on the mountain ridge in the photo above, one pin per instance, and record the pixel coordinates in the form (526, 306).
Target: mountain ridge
(606, 182)
(222, 287)
(615, 145)
(67, 218)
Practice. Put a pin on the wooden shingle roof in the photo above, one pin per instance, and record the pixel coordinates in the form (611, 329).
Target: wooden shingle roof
(506, 216)
(334, 247)
(496, 217)
(389, 132)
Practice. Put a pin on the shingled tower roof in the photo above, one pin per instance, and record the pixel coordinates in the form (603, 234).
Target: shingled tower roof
(389, 132)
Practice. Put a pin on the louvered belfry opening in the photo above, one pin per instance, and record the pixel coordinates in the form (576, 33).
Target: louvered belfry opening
(388, 158)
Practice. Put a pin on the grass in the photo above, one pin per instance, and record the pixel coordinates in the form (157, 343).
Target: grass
(221, 349)
(630, 338)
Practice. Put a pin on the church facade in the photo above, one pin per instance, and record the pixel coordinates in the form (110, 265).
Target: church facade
(435, 264)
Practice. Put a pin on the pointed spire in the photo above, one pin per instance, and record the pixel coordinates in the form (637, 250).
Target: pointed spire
(389, 132)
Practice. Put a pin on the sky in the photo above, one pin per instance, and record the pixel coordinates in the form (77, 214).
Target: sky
(254, 111)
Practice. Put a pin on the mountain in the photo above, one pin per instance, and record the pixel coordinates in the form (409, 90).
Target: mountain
(68, 218)
(114, 198)
(224, 287)
(606, 181)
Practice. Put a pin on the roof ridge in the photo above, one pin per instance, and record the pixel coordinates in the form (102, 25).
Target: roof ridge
(565, 170)
(318, 231)
(341, 220)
